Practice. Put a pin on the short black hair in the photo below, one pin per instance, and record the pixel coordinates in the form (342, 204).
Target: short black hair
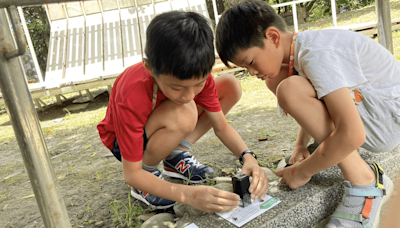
(180, 44)
(243, 26)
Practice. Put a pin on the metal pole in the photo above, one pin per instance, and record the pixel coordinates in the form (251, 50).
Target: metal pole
(120, 31)
(7, 3)
(29, 135)
(384, 24)
(333, 7)
(294, 10)
(21, 44)
(215, 12)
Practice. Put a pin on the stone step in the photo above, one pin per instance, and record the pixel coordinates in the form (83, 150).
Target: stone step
(309, 205)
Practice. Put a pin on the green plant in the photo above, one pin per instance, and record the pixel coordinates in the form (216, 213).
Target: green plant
(273, 168)
(3, 195)
(261, 163)
(208, 163)
(275, 177)
(210, 182)
(80, 214)
(189, 177)
(88, 222)
(130, 214)
(68, 115)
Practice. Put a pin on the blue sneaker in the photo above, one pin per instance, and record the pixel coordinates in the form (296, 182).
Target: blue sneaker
(153, 201)
(185, 166)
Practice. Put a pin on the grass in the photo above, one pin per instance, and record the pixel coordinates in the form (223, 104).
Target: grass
(4, 195)
(72, 122)
(362, 15)
(129, 217)
(255, 94)
(80, 214)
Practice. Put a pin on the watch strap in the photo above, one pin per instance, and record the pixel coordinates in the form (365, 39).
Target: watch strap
(246, 152)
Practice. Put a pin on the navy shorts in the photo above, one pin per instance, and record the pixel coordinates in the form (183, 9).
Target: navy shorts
(117, 152)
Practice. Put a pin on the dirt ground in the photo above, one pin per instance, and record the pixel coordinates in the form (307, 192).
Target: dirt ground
(90, 178)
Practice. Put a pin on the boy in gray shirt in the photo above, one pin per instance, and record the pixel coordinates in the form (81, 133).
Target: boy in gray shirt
(343, 88)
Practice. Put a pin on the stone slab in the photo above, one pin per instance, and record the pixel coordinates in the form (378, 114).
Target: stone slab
(309, 205)
(76, 107)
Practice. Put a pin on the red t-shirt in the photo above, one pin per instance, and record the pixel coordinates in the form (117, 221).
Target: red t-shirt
(131, 104)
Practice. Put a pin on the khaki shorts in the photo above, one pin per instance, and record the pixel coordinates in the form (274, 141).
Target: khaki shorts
(381, 119)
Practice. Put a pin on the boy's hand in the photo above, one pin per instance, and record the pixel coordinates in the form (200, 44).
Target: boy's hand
(292, 176)
(259, 185)
(211, 200)
(299, 154)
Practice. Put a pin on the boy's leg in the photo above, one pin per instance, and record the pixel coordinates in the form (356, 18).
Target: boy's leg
(180, 161)
(166, 126)
(229, 93)
(297, 96)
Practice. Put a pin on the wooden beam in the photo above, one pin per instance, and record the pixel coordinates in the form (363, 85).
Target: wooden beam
(89, 95)
(58, 97)
(37, 102)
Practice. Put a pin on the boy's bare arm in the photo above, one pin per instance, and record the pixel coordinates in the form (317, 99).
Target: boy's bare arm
(232, 140)
(300, 151)
(205, 198)
(349, 134)
(226, 133)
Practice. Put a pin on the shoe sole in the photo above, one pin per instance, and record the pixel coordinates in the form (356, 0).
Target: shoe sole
(384, 200)
(140, 197)
(180, 176)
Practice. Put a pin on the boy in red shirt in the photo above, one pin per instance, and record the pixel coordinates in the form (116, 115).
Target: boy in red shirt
(160, 107)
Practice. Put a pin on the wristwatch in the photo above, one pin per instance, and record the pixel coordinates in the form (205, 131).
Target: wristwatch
(246, 152)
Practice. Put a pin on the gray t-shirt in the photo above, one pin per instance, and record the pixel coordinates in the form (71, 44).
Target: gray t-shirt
(332, 59)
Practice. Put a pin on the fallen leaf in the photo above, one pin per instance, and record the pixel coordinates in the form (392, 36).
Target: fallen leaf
(229, 121)
(285, 149)
(26, 197)
(248, 130)
(88, 146)
(47, 132)
(94, 154)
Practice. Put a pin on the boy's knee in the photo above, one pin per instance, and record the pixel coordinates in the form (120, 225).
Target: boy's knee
(286, 91)
(229, 86)
(294, 89)
(186, 117)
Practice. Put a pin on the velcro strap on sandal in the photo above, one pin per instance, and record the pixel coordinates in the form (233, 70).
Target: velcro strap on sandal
(379, 175)
(365, 192)
(367, 208)
(348, 216)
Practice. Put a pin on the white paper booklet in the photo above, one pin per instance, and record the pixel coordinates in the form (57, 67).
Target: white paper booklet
(241, 216)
